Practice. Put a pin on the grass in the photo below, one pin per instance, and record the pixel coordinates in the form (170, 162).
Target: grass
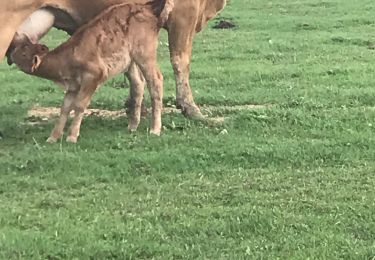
(292, 180)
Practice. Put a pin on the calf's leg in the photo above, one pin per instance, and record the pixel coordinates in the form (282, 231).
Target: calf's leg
(137, 81)
(79, 105)
(135, 100)
(64, 114)
(154, 80)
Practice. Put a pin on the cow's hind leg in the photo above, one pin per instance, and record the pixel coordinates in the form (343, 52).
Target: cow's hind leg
(181, 32)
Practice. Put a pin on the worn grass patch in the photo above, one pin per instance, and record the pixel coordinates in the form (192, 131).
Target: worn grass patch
(292, 178)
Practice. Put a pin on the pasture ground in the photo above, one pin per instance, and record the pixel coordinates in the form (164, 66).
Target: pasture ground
(292, 180)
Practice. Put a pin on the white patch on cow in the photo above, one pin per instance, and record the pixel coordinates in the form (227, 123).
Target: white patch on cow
(36, 25)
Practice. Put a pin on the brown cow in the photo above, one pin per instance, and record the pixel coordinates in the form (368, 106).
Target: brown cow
(187, 18)
(123, 37)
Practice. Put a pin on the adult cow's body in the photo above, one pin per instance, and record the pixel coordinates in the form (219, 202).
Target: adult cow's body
(187, 18)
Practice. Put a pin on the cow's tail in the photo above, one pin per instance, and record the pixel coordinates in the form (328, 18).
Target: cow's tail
(162, 9)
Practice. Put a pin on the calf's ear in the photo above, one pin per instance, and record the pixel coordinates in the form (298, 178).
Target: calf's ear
(36, 63)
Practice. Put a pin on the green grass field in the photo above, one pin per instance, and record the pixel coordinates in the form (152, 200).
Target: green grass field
(293, 179)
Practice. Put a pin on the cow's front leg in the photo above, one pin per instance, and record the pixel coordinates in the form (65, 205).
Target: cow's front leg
(9, 22)
(181, 33)
(7, 33)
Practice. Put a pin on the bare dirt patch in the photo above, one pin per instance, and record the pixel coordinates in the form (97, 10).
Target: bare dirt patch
(38, 113)
(46, 113)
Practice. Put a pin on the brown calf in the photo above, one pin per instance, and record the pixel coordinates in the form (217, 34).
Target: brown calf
(122, 38)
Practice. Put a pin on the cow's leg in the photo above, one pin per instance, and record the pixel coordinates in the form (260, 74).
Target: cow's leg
(135, 100)
(154, 80)
(137, 81)
(79, 105)
(7, 33)
(64, 114)
(9, 22)
(181, 32)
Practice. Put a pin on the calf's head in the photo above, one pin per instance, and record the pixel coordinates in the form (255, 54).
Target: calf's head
(28, 56)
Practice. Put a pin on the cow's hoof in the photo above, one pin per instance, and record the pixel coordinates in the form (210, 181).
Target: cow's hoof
(192, 112)
(155, 132)
(72, 139)
(51, 140)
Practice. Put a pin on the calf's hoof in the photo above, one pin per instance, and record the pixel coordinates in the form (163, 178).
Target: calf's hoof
(72, 139)
(51, 140)
(133, 123)
(132, 129)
